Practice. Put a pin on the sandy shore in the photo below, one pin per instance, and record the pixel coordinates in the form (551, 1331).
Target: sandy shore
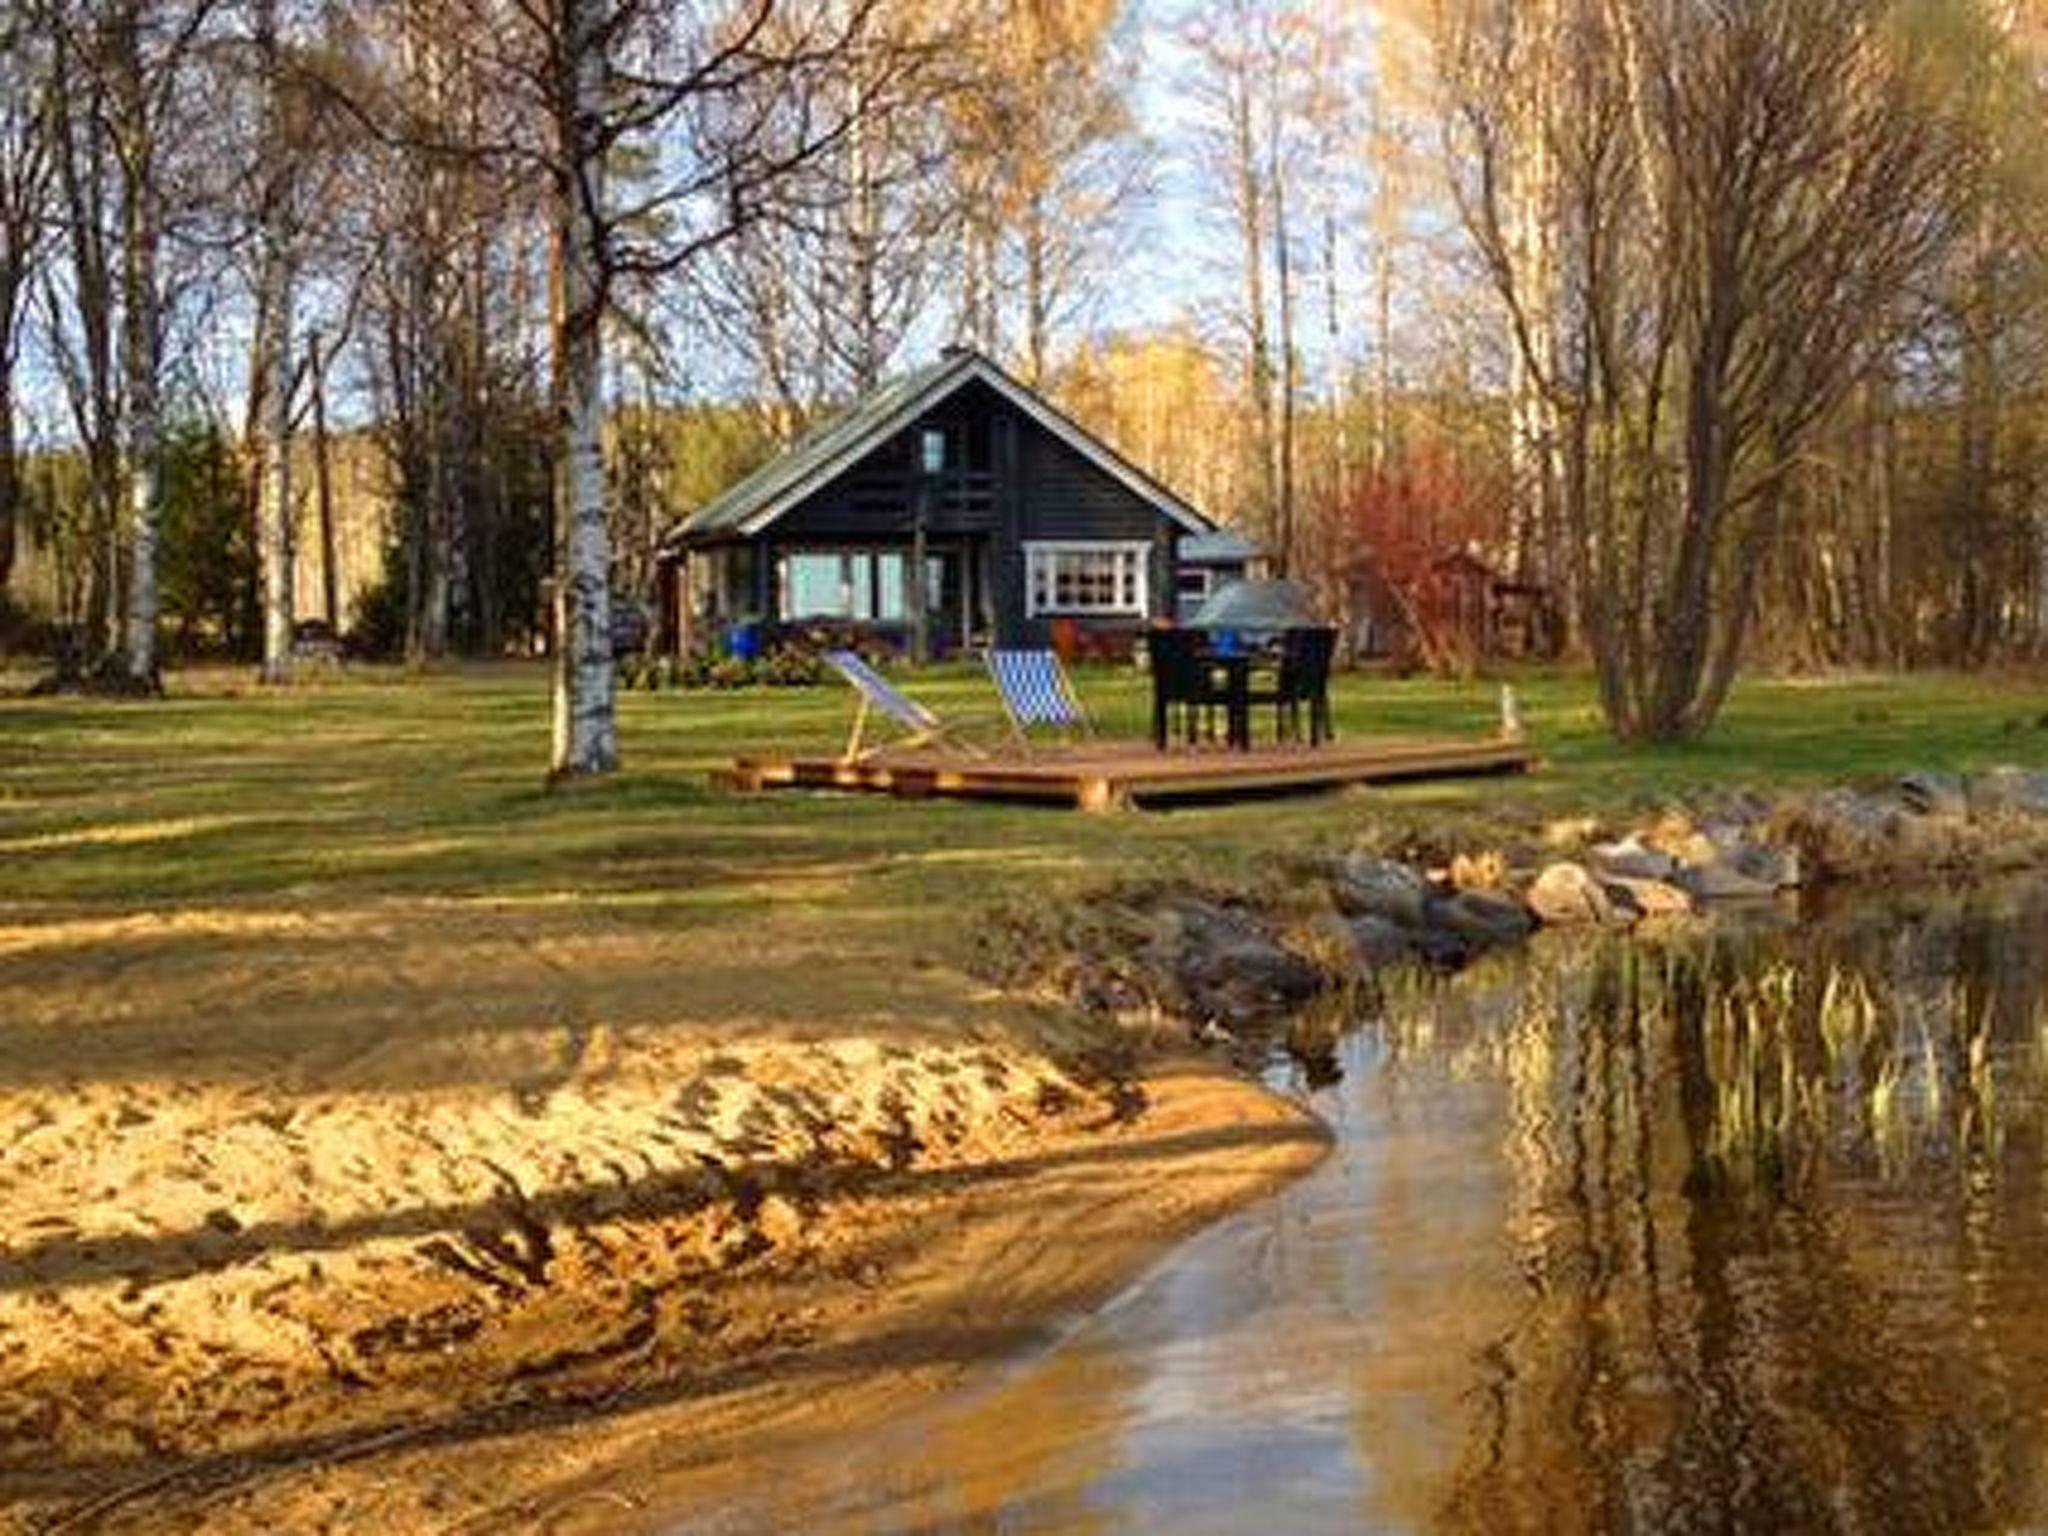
(530, 1290)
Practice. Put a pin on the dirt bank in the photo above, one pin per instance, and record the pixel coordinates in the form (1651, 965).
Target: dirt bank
(241, 1305)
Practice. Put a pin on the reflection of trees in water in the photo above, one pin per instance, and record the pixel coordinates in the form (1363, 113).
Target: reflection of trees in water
(1776, 1211)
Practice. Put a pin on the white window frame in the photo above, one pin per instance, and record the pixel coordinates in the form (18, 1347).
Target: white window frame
(1134, 598)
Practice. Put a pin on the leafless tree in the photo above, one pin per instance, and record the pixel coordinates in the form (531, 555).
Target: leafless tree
(26, 169)
(1731, 192)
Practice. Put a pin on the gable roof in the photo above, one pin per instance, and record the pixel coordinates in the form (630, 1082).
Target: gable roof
(825, 451)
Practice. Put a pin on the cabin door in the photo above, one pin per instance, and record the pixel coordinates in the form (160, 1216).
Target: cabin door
(952, 599)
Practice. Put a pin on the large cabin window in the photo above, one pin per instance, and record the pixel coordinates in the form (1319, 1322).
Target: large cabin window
(859, 586)
(1086, 578)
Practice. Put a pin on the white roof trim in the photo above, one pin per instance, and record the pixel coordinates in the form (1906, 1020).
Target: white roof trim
(975, 366)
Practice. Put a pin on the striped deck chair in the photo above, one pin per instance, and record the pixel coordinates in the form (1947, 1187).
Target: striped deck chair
(877, 695)
(1035, 692)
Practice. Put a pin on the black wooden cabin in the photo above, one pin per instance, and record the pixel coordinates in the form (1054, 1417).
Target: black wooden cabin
(1033, 530)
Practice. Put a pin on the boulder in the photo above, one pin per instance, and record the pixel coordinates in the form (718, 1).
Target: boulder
(1564, 895)
(1677, 837)
(2009, 791)
(1440, 949)
(1631, 858)
(1935, 794)
(1481, 920)
(1379, 942)
(1367, 886)
(1841, 832)
(1650, 898)
(1735, 850)
(1570, 832)
(1237, 985)
(1720, 881)
(1230, 971)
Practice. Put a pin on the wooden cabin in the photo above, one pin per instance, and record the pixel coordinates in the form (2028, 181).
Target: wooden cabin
(1028, 522)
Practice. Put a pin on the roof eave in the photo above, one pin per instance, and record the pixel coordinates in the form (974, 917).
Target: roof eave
(943, 382)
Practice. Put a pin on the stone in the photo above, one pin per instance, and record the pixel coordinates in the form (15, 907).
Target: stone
(1231, 972)
(1720, 881)
(1379, 942)
(1675, 835)
(1565, 895)
(1651, 898)
(1364, 885)
(1935, 794)
(1481, 920)
(1631, 858)
(1766, 863)
(1841, 832)
(2009, 791)
(1440, 949)
(1570, 832)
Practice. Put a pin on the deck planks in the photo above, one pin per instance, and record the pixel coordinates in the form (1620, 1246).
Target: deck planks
(1108, 775)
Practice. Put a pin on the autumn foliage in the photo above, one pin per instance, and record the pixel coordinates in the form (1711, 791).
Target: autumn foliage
(1411, 549)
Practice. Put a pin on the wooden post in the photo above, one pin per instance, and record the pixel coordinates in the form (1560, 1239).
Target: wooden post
(920, 619)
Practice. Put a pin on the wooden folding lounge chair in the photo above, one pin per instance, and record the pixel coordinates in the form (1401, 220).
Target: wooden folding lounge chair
(1036, 692)
(876, 695)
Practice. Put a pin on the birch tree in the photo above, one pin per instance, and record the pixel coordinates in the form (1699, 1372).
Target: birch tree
(1735, 191)
(841, 259)
(743, 101)
(139, 53)
(1049, 165)
(279, 169)
(26, 167)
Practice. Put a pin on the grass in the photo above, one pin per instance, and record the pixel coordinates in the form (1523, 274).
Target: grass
(412, 808)
(411, 785)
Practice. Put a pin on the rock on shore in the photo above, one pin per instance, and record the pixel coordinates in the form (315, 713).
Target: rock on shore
(1223, 965)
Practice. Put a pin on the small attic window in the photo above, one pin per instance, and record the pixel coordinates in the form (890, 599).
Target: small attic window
(931, 449)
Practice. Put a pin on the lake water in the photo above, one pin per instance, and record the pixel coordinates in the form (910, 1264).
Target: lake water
(1741, 1233)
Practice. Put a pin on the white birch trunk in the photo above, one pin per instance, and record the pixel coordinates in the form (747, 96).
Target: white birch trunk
(1532, 255)
(141, 348)
(275, 515)
(274, 303)
(585, 724)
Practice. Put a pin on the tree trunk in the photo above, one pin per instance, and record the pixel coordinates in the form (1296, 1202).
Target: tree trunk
(1283, 444)
(1977, 450)
(323, 482)
(1037, 291)
(1252, 240)
(585, 726)
(275, 509)
(1531, 252)
(10, 478)
(141, 346)
(275, 497)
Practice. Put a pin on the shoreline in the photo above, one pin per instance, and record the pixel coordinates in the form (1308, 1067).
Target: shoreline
(643, 1243)
(907, 1284)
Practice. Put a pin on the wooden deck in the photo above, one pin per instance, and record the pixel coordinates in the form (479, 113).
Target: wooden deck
(1109, 775)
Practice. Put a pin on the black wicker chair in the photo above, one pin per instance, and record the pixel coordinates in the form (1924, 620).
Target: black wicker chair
(1184, 690)
(1304, 679)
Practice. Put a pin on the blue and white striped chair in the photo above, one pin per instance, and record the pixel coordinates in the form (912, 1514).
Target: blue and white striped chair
(1035, 692)
(877, 695)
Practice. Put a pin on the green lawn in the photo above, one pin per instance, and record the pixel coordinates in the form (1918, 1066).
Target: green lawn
(191, 873)
(384, 784)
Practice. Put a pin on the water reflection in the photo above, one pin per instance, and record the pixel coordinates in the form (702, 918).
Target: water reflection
(1739, 1233)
